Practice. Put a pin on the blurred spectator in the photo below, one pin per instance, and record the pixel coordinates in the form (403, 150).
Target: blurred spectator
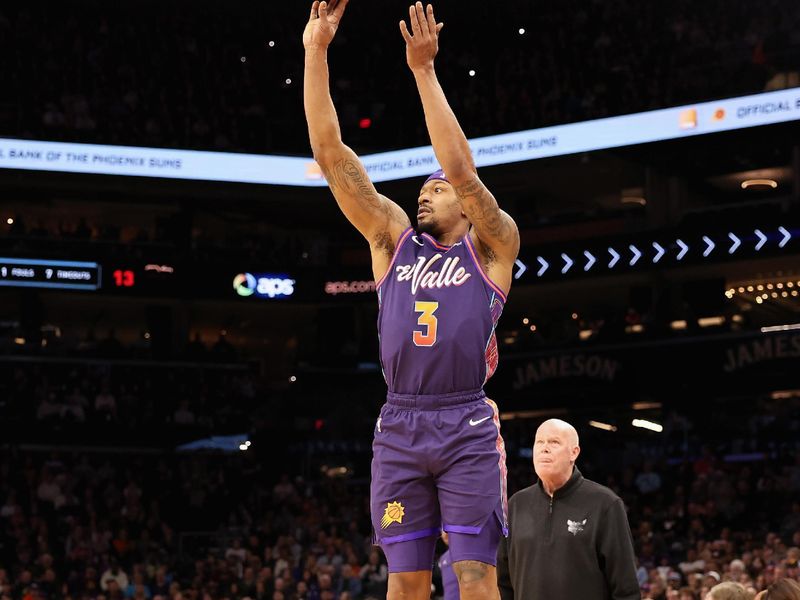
(728, 591)
(783, 589)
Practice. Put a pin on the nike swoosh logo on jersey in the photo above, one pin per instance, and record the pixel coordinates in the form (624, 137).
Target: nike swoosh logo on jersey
(473, 422)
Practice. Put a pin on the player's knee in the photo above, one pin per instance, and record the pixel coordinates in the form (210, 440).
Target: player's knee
(477, 590)
(476, 580)
(409, 586)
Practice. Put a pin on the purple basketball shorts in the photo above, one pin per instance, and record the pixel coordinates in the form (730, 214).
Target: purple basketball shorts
(438, 462)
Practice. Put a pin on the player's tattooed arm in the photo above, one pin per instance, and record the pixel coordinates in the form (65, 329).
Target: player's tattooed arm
(495, 229)
(378, 219)
(372, 214)
(348, 176)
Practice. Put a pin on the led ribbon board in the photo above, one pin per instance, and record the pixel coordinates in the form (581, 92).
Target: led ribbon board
(629, 130)
(655, 250)
(54, 274)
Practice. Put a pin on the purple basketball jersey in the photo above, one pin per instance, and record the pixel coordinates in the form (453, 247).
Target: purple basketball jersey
(438, 312)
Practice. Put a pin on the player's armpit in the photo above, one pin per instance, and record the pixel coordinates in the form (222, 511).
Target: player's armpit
(494, 228)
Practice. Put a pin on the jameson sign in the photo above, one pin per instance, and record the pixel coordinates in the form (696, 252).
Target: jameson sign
(750, 361)
(592, 366)
(777, 347)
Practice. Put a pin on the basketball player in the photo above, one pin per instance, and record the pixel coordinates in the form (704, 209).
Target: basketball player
(438, 457)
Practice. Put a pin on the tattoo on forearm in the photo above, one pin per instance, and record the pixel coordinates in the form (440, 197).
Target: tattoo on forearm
(348, 175)
(468, 571)
(482, 210)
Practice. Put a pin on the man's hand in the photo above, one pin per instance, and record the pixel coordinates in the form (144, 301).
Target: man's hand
(323, 23)
(422, 46)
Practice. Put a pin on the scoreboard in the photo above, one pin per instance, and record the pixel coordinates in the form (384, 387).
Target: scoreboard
(54, 274)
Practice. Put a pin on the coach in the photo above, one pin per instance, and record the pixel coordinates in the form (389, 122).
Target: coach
(569, 537)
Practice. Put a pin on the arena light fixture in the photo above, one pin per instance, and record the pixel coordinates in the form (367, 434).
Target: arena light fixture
(759, 183)
(650, 425)
(777, 328)
(532, 414)
(640, 201)
(679, 325)
(603, 426)
(10, 221)
(711, 321)
(646, 405)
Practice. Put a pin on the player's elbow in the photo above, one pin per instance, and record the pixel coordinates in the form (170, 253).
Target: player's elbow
(326, 154)
(461, 171)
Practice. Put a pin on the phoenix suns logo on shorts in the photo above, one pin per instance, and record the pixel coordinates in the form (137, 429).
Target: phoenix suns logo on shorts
(394, 513)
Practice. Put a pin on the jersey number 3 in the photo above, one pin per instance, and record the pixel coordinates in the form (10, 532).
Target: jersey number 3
(427, 337)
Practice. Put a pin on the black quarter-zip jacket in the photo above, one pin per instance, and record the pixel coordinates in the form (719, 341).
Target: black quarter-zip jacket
(576, 545)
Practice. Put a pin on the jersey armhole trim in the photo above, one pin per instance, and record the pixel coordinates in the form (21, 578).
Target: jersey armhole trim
(474, 254)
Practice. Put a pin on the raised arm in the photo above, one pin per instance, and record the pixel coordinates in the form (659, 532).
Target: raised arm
(378, 219)
(495, 229)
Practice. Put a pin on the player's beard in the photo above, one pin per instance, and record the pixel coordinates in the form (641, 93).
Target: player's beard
(428, 226)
